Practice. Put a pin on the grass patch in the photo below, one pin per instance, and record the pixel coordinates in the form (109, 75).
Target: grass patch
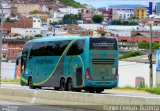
(154, 90)
(131, 54)
(15, 81)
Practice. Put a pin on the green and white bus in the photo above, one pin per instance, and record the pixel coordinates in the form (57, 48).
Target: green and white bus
(70, 63)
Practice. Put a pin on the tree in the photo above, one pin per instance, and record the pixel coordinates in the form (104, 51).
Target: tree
(122, 22)
(97, 18)
(145, 45)
(9, 20)
(38, 35)
(70, 19)
(79, 16)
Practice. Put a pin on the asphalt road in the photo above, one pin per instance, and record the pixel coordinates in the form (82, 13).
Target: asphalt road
(17, 106)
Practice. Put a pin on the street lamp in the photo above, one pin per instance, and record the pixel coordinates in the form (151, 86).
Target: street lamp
(1, 39)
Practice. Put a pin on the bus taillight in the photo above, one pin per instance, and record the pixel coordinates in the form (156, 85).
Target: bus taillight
(116, 76)
(88, 74)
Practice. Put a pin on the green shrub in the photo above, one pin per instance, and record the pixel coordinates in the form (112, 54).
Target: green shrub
(38, 35)
(131, 54)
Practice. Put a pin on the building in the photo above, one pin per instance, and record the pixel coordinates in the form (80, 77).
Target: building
(107, 14)
(22, 23)
(69, 10)
(137, 36)
(150, 8)
(91, 26)
(37, 22)
(122, 14)
(140, 12)
(87, 18)
(11, 48)
(158, 8)
(58, 15)
(69, 28)
(26, 32)
(26, 8)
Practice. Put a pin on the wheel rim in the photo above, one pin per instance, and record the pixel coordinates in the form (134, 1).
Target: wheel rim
(70, 85)
(62, 85)
(30, 83)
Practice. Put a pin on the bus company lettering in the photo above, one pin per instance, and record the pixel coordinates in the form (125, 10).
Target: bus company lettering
(103, 44)
(44, 61)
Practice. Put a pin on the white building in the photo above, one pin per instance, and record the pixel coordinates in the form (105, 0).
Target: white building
(58, 15)
(37, 22)
(44, 8)
(69, 10)
(6, 10)
(91, 26)
(122, 30)
(26, 32)
(122, 14)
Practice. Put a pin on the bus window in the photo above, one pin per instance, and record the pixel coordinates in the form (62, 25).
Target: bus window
(37, 49)
(25, 52)
(76, 48)
(53, 48)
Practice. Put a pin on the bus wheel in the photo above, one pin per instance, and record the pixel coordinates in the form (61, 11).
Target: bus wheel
(62, 85)
(91, 91)
(30, 83)
(99, 91)
(77, 90)
(56, 88)
(69, 85)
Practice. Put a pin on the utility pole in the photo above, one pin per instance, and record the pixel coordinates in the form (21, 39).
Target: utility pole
(150, 58)
(1, 40)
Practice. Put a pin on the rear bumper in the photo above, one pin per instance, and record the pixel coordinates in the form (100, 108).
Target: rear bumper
(100, 84)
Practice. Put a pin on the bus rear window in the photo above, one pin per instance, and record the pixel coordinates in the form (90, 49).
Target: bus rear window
(103, 43)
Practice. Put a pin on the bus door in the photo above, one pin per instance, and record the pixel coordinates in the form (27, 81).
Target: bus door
(24, 60)
(104, 59)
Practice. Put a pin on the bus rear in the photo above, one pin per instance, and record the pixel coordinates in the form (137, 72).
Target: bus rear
(102, 72)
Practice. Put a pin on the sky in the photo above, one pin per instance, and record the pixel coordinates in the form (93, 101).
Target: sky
(105, 3)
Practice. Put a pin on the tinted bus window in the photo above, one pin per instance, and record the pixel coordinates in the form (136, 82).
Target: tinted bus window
(76, 48)
(54, 48)
(103, 43)
(38, 49)
(26, 48)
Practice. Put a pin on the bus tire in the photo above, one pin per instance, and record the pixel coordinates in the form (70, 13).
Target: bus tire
(91, 91)
(56, 88)
(99, 90)
(30, 83)
(77, 90)
(62, 85)
(69, 85)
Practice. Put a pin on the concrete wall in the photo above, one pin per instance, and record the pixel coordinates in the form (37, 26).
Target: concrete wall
(26, 31)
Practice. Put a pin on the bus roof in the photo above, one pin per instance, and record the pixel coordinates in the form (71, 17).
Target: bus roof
(57, 38)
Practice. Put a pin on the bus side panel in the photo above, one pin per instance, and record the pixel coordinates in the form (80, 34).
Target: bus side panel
(73, 68)
(158, 68)
(42, 70)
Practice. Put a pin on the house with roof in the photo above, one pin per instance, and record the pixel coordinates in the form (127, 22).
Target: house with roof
(87, 17)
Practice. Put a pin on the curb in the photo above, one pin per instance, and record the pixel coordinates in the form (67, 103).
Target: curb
(73, 99)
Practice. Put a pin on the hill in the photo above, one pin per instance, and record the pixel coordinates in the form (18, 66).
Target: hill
(72, 3)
